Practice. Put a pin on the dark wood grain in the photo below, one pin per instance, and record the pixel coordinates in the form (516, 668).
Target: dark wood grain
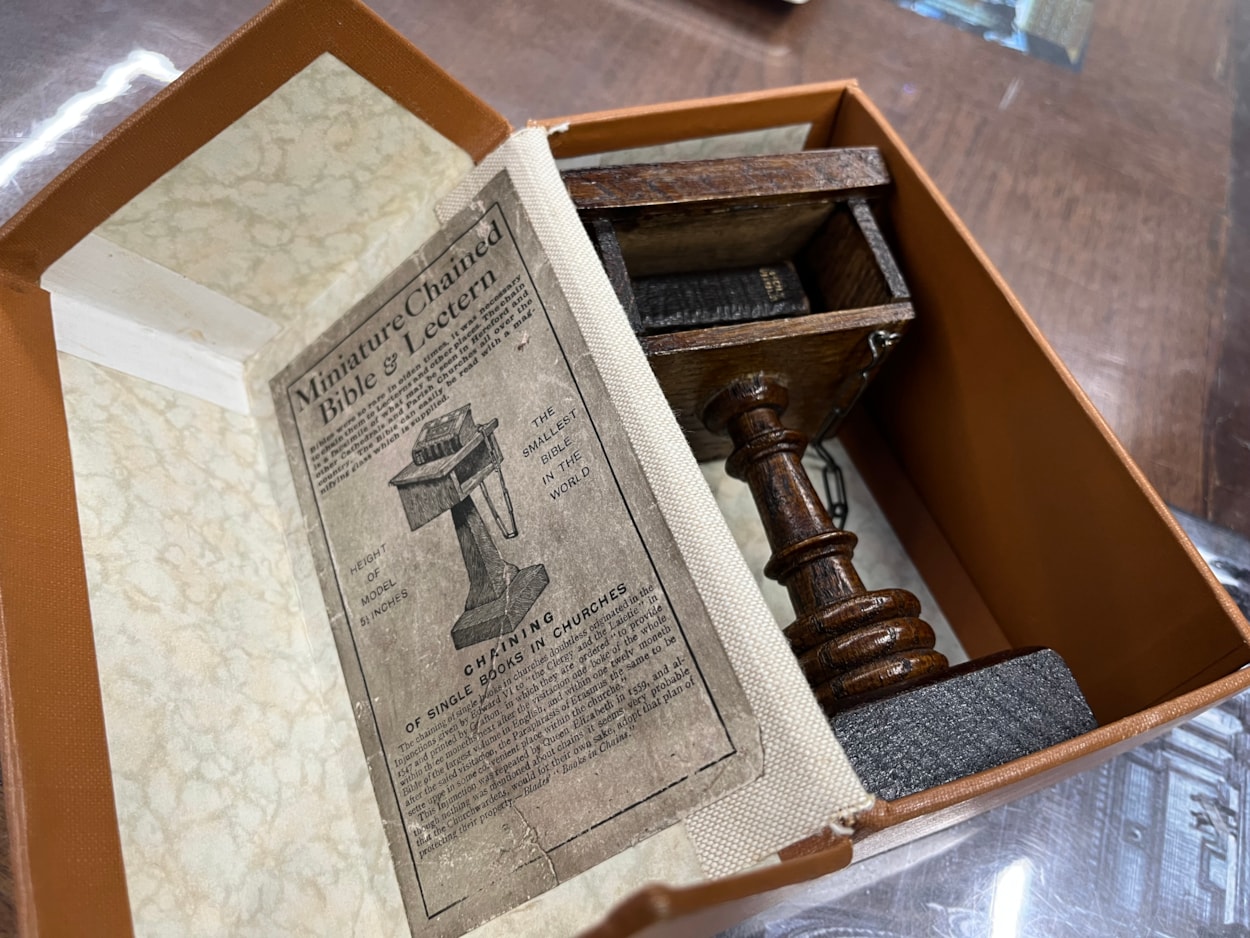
(608, 247)
(803, 210)
(850, 262)
(817, 356)
(850, 641)
(696, 215)
(755, 180)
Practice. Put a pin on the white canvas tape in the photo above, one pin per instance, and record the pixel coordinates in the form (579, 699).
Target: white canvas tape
(807, 781)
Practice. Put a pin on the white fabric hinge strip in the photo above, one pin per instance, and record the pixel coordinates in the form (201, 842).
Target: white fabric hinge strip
(807, 780)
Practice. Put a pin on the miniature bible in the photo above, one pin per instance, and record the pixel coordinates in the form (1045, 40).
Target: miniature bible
(760, 286)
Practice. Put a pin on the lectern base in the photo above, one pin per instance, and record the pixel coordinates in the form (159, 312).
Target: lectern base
(505, 612)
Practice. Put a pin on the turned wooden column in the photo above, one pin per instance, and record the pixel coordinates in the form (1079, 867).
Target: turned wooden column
(851, 643)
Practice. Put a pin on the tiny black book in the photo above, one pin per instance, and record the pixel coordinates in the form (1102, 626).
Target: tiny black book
(718, 297)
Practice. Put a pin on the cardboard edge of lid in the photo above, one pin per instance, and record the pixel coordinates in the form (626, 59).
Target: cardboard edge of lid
(660, 911)
(65, 844)
(237, 75)
(65, 849)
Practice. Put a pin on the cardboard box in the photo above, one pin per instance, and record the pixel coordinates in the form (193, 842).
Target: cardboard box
(1025, 515)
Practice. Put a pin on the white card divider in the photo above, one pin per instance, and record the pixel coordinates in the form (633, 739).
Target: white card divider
(119, 309)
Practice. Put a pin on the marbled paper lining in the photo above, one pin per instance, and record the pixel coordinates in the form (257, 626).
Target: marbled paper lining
(243, 802)
(285, 201)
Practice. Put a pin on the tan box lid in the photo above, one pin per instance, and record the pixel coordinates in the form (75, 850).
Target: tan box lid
(66, 855)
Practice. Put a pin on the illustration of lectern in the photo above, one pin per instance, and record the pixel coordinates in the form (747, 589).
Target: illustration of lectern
(451, 457)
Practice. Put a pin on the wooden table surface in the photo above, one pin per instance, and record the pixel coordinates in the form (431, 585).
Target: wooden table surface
(1115, 200)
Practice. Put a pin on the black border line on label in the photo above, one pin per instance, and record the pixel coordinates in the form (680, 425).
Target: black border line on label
(291, 386)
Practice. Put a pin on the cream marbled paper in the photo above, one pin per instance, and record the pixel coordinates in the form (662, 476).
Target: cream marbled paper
(242, 794)
(242, 797)
(285, 201)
